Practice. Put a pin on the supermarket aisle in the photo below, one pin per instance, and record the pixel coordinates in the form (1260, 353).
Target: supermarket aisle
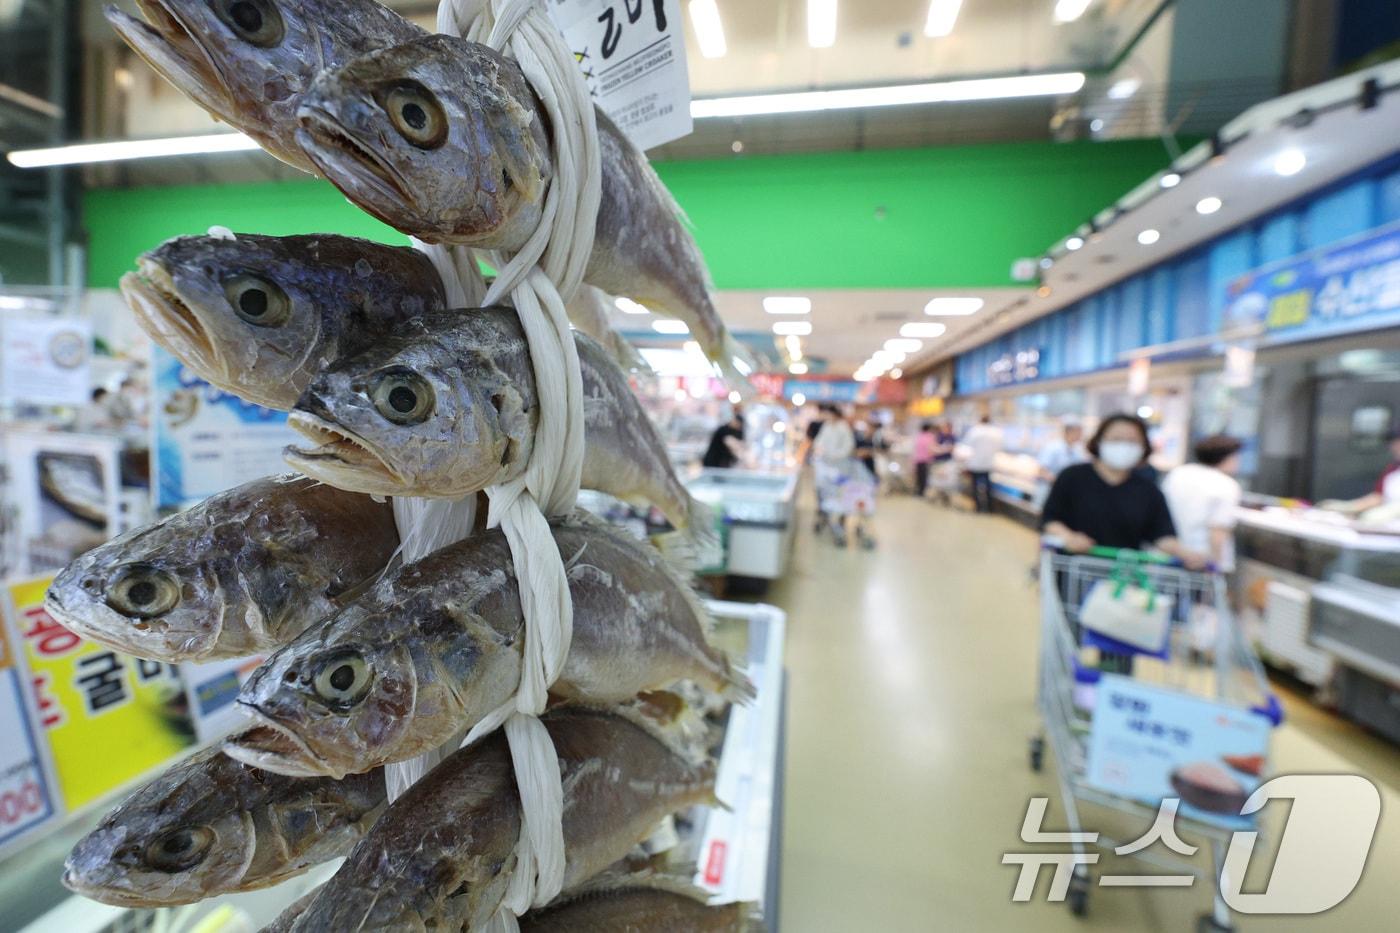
(910, 698)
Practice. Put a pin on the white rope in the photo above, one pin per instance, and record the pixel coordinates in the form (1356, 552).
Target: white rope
(538, 279)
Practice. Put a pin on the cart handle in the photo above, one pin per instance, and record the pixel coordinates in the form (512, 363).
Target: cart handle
(1127, 555)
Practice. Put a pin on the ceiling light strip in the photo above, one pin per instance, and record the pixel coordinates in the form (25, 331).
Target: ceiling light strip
(122, 150)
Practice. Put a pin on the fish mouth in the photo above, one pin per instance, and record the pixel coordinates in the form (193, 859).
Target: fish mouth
(172, 47)
(170, 322)
(344, 160)
(105, 894)
(340, 456)
(273, 747)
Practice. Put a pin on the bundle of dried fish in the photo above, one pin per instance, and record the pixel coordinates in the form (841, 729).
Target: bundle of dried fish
(242, 572)
(211, 825)
(433, 648)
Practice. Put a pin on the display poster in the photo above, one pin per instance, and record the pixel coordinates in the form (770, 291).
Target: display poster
(46, 360)
(1149, 743)
(107, 718)
(64, 492)
(212, 688)
(208, 440)
(822, 390)
(632, 53)
(1350, 286)
(26, 794)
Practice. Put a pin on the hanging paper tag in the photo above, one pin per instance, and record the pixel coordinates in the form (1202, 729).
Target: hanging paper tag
(632, 53)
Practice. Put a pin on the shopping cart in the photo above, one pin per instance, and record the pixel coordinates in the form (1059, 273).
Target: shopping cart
(1114, 713)
(844, 487)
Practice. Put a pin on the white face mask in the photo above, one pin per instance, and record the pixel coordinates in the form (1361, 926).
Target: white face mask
(1120, 455)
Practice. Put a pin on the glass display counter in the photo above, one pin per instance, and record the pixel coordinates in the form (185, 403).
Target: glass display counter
(757, 513)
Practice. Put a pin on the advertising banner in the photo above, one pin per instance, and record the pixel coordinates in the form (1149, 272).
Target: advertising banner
(46, 360)
(1350, 286)
(107, 718)
(208, 440)
(212, 688)
(64, 492)
(26, 793)
(1149, 743)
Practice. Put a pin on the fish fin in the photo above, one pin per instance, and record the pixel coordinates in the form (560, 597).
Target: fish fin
(734, 357)
(718, 804)
(629, 357)
(685, 548)
(737, 686)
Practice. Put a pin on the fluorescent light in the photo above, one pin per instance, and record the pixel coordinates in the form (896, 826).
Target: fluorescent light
(691, 346)
(1169, 180)
(798, 369)
(953, 307)
(887, 358)
(792, 328)
(787, 305)
(1208, 205)
(1074, 243)
(628, 306)
(1286, 163)
(794, 347)
(942, 14)
(1149, 236)
(821, 23)
(927, 329)
(1124, 88)
(83, 153)
(904, 345)
(709, 31)
(934, 92)
(1067, 11)
(799, 399)
(743, 367)
(669, 327)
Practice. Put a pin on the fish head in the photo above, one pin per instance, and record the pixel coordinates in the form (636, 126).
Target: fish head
(242, 312)
(146, 594)
(414, 416)
(164, 845)
(439, 137)
(247, 62)
(330, 702)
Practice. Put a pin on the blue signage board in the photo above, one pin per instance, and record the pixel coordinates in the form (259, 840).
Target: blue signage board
(1347, 287)
(822, 390)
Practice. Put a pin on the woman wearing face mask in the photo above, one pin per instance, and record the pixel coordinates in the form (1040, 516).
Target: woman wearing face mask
(1105, 503)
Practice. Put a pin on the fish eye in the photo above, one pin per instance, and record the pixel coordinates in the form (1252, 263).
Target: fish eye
(258, 301)
(342, 678)
(402, 396)
(256, 22)
(142, 592)
(180, 848)
(417, 115)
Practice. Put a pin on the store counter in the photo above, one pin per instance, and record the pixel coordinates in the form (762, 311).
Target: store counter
(756, 509)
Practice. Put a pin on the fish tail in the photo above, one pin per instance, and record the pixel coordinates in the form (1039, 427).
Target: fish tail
(690, 546)
(629, 357)
(736, 686)
(734, 360)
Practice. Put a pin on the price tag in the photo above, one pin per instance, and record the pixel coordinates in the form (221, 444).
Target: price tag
(632, 53)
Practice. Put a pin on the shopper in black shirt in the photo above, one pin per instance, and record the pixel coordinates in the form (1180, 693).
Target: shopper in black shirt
(726, 444)
(1106, 503)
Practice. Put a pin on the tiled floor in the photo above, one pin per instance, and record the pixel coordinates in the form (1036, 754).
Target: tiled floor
(911, 696)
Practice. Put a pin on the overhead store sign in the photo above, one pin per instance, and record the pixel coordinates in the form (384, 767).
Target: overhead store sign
(1352, 286)
(632, 53)
(1010, 368)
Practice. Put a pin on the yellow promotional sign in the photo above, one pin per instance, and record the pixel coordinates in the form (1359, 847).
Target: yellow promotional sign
(108, 717)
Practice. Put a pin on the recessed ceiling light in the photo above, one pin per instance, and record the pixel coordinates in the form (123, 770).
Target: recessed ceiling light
(798, 369)
(1149, 236)
(821, 23)
(926, 329)
(1208, 205)
(1067, 11)
(942, 15)
(709, 31)
(779, 305)
(628, 306)
(799, 399)
(953, 307)
(1095, 125)
(792, 328)
(1124, 88)
(1290, 162)
(669, 327)
(904, 345)
(735, 398)
(1074, 243)
(1169, 180)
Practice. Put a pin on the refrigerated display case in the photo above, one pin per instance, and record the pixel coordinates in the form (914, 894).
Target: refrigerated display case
(757, 513)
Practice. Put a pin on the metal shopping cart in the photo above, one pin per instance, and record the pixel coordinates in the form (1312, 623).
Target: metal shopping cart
(1183, 715)
(844, 487)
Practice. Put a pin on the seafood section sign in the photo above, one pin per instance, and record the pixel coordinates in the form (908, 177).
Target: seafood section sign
(107, 718)
(632, 53)
(1149, 743)
(208, 440)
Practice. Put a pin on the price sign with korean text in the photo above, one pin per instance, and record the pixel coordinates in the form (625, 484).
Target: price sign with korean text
(26, 792)
(632, 53)
(107, 717)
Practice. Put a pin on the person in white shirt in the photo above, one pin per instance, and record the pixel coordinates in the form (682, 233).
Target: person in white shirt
(984, 442)
(1066, 450)
(1203, 497)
